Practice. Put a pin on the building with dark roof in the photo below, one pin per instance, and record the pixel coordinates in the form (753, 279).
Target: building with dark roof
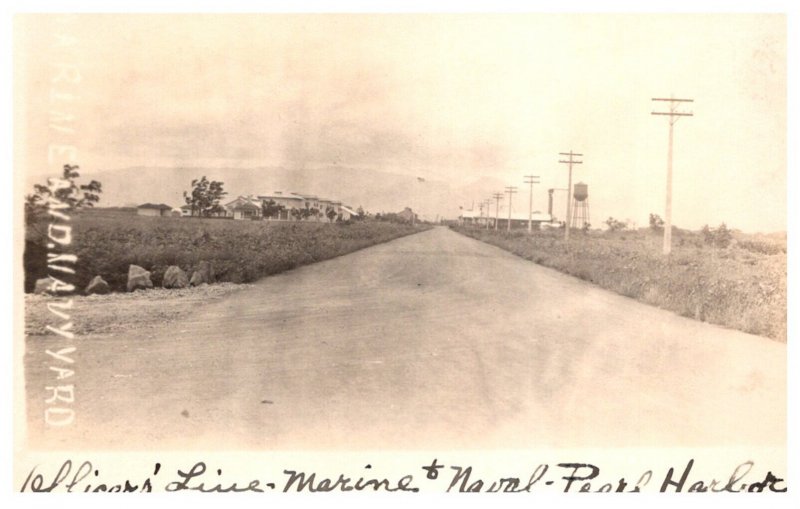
(154, 210)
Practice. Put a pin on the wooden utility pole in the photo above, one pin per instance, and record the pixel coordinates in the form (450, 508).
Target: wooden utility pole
(569, 162)
(510, 190)
(498, 197)
(531, 179)
(674, 115)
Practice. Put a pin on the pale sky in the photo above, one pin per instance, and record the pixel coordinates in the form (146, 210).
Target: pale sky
(447, 97)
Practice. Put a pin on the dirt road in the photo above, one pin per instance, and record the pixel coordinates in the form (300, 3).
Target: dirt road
(429, 340)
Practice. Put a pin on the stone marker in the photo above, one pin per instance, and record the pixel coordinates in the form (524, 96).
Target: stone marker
(138, 278)
(174, 277)
(98, 285)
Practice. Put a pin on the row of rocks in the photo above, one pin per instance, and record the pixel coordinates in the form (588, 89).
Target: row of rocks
(139, 279)
(174, 277)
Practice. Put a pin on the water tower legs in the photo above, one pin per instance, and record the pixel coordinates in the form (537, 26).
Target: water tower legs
(580, 213)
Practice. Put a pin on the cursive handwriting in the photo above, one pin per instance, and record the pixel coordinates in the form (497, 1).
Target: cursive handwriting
(190, 481)
(734, 484)
(71, 479)
(84, 477)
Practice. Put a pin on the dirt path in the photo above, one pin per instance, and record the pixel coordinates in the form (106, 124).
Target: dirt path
(429, 340)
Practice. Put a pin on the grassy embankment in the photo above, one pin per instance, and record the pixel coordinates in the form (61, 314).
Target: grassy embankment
(239, 251)
(742, 286)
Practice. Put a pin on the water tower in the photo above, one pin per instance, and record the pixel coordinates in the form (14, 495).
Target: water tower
(580, 205)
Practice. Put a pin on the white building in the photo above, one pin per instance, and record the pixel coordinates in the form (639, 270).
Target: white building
(519, 219)
(294, 207)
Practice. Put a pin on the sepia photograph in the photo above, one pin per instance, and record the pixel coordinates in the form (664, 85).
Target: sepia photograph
(352, 233)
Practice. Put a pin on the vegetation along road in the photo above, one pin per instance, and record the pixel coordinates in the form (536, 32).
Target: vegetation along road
(434, 339)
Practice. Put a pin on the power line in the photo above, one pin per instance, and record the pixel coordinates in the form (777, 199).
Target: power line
(569, 162)
(674, 115)
(531, 179)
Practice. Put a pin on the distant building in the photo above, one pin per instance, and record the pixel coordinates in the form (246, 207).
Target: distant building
(154, 210)
(314, 208)
(243, 207)
(346, 213)
(518, 219)
(247, 210)
(406, 215)
(288, 201)
(186, 211)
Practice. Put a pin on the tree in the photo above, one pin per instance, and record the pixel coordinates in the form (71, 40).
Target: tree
(63, 194)
(271, 208)
(708, 236)
(56, 201)
(656, 223)
(615, 225)
(308, 212)
(719, 237)
(330, 212)
(205, 197)
(361, 214)
(723, 236)
(297, 214)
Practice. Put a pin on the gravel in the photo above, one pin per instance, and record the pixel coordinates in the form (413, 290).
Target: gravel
(120, 312)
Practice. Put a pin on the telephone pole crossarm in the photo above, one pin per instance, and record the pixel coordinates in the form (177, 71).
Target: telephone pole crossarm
(672, 114)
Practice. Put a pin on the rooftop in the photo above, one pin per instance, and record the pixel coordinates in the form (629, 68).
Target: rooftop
(156, 206)
(272, 196)
(247, 206)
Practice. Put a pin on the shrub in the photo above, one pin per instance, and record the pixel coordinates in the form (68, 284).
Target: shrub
(718, 237)
(656, 223)
(767, 248)
(615, 225)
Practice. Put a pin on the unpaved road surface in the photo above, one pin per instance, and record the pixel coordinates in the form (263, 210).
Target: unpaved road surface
(431, 340)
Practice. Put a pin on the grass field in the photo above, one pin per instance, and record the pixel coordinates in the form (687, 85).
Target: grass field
(107, 242)
(742, 286)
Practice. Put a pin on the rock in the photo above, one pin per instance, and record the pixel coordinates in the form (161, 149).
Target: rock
(197, 279)
(98, 285)
(174, 277)
(138, 278)
(43, 285)
(203, 274)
